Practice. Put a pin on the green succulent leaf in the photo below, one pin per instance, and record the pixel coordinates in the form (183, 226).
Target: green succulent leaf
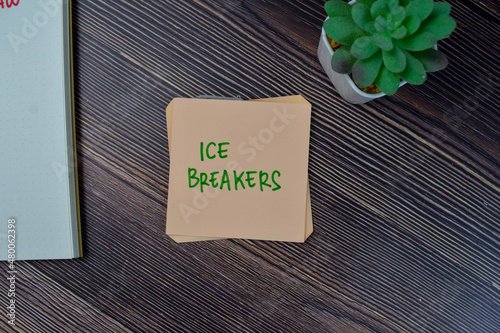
(414, 72)
(404, 3)
(420, 8)
(418, 42)
(431, 59)
(387, 81)
(383, 41)
(343, 30)
(336, 8)
(362, 17)
(399, 33)
(395, 17)
(394, 60)
(379, 7)
(439, 25)
(342, 60)
(441, 8)
(365, 71)
(368, 3)
(364, 47)
(412, 23)
(380, 24)
(392, 4)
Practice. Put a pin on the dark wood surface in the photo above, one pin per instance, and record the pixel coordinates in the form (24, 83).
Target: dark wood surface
(405, 189)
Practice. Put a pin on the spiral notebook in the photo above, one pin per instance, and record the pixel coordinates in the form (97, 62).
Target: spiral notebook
(38, 178)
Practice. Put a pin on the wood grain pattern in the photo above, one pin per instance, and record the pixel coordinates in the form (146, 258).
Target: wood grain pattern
(405, 190)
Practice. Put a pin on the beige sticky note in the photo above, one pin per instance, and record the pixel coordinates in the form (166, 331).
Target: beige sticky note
(268, 140)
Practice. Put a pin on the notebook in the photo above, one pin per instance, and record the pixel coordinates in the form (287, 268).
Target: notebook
(38, 178)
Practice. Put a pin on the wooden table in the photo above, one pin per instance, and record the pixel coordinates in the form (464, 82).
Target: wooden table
(405, 189)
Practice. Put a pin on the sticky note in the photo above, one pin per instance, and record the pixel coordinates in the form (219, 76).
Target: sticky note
(238, 169)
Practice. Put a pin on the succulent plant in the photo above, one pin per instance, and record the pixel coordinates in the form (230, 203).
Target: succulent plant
(386, 41)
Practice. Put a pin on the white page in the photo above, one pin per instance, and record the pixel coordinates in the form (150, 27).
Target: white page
(37, 178)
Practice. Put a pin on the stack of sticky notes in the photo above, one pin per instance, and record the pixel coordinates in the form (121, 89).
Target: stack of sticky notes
(239, 169)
